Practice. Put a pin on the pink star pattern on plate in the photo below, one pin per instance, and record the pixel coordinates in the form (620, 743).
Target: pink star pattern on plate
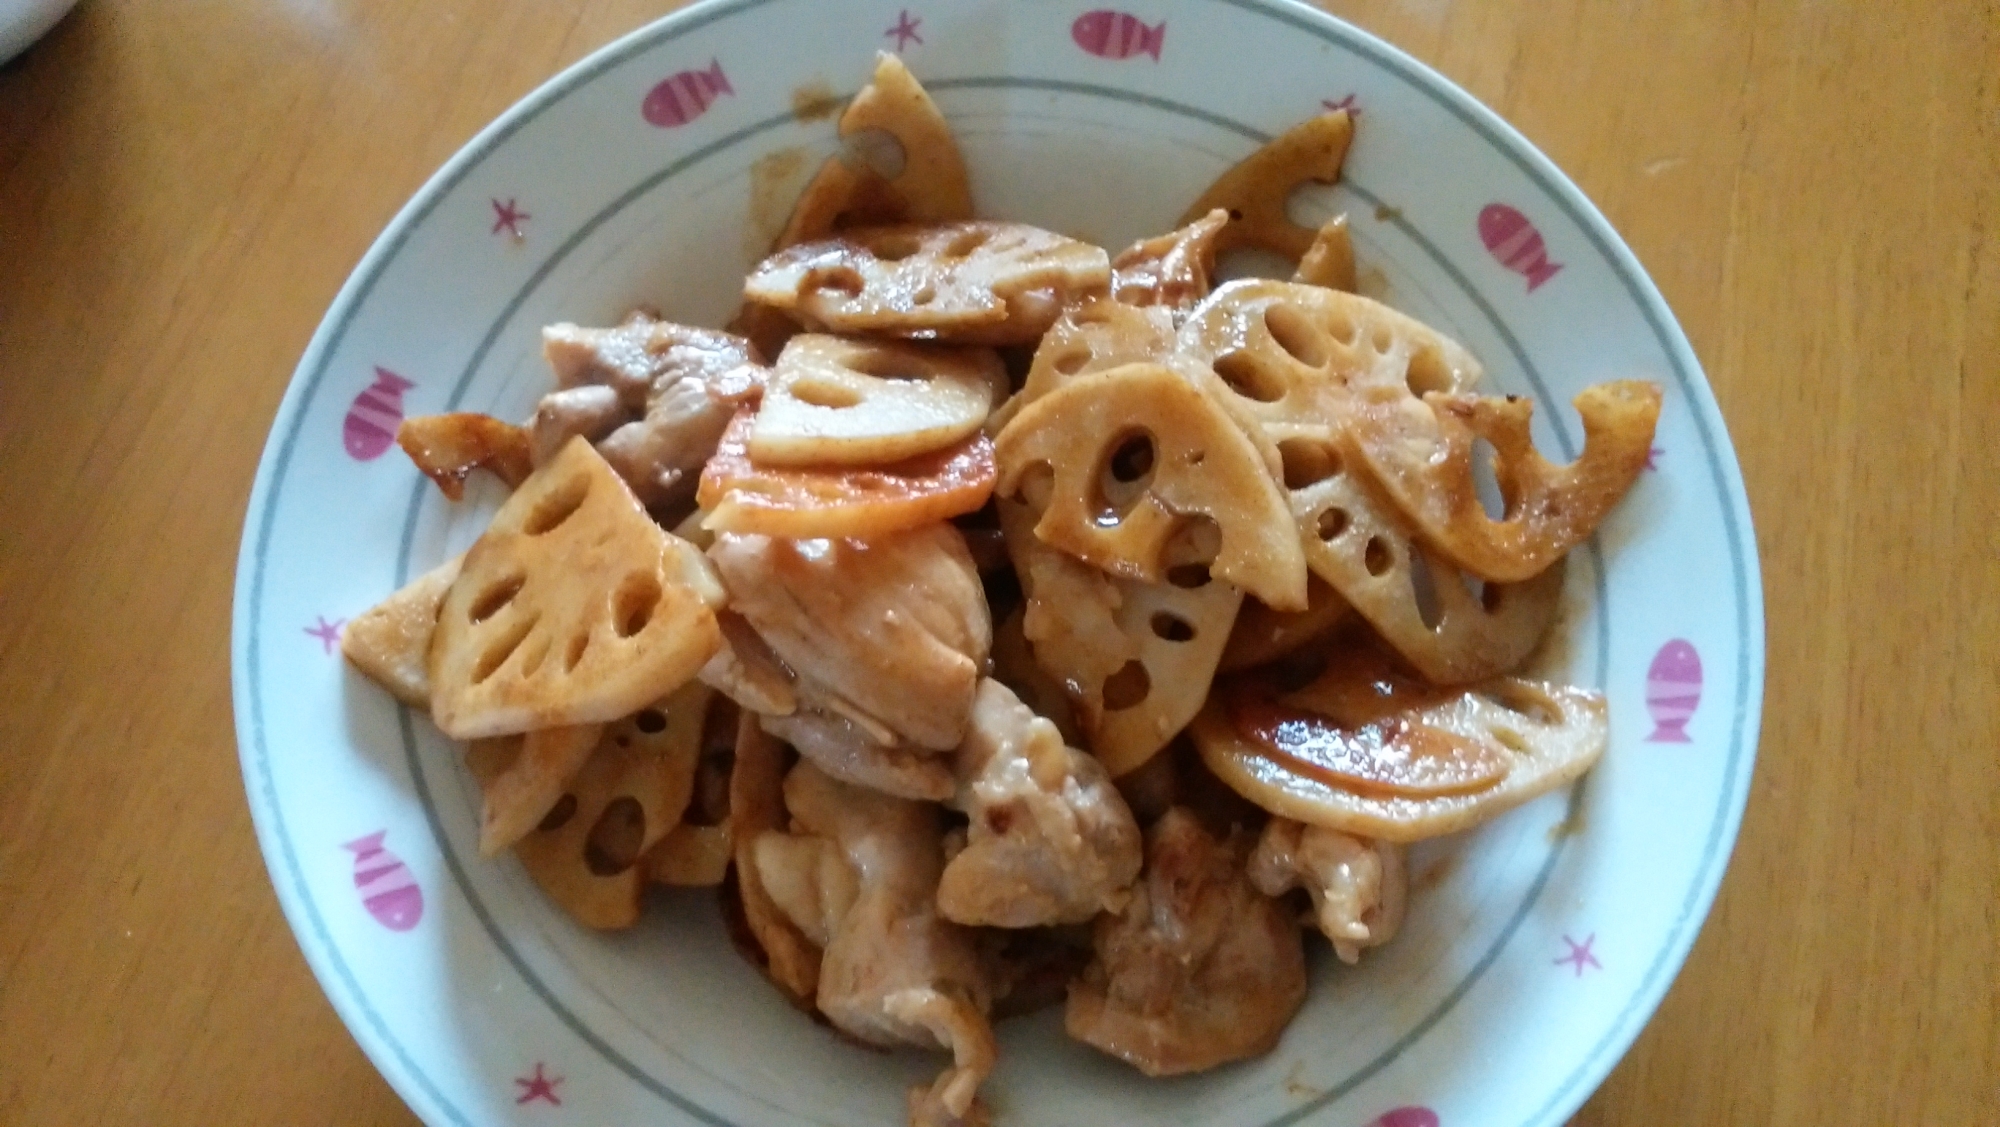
(328, 633)
(509, 217)
(1579, 954)
(1346, 103)
(1653, 456)
(904, 31)
(538, 1087)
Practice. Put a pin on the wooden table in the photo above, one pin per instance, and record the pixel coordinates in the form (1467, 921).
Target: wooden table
(1815, 186)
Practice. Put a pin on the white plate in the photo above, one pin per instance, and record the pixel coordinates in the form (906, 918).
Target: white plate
(1532, 956)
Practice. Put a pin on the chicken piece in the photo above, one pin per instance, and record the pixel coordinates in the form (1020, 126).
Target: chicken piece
(1199, 968)
(896, 973)
(747, 672)
(757, 805)
(651, 395)
(1050, 840)
(1358, 887)
(847, 751)
(890, 634)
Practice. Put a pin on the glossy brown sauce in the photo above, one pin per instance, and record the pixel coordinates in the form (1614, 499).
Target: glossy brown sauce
(1355, 728)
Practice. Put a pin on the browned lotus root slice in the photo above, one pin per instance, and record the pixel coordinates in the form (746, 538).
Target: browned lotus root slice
(804, 504)
(1262, 635)
(1541, 735)
(1357, 543)
(1096, 335)
(522, 777)
(1421, 453)
(1173, 269)
(1329, 261)
(1256, 190)
(927, 185)
(1137, 453)
(573, 608)
(691, 856)
(390, 642)
(447, 448)
(1297, 354)
(757, 806)
(1014, 666)
(631, 791)
(1135, 658)
(962, 283)
(831, 401)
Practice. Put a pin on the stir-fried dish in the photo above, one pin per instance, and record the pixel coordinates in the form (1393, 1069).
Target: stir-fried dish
(998, 622)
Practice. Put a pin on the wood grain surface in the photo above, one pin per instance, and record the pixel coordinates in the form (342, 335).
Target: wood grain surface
(1815, 186)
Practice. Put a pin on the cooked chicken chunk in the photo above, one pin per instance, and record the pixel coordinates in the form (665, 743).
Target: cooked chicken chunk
(1199, 969)
(1358, 887)
(757, 807)
(895, 972)
(848, 752)
(889, 634)
(1050, 840)
(651, 395)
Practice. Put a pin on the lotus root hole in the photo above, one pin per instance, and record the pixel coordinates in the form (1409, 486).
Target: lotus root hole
(1172, 628)
(1038, 483)
(502, 648)
(1491, 595)
(1072, 361)
(1517, 697)
(1381, 340)
(1424, 583)
(1297, 335)
(1308, 461)
(1197, 540)
(896, 247)
(559, 814)
(1511, 740)
(1428, 373)
(1127, 688)
(925, 294)
(1342, 327)
(650, 721)
(1122, 479)
(1376, 557)
(1332, 523)
(1248, 378)
(879, 150)
(557, 506)
(1000, 819)
(534, 654)
(615, 838)
(1189, 576)
(841, 279)
(632, 607)
(495, 597)
(1485, 481)
(573, 656)
(824, 393)
(964, 243)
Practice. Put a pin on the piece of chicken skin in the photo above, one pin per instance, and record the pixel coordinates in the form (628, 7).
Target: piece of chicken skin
(1198, 969)
(1049, 841)
(1358, 887)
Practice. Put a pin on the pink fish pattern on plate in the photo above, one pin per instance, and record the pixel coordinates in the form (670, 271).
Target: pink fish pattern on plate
(1112, 34)
(1514, 243)
(387, 887)
(1673, 691)
(372, 419)
(682, 97)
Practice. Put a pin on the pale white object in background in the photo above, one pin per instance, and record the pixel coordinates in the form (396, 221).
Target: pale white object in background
(23, 21)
